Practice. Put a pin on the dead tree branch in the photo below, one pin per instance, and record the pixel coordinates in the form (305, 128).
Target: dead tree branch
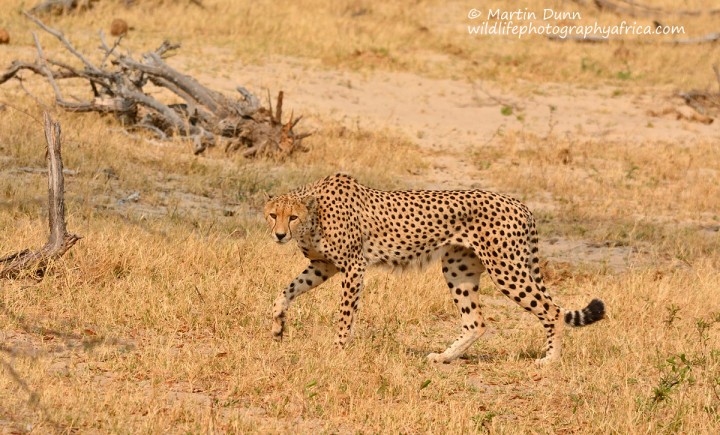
(704, 103)
(631, 8)
(589, 39)
(694, 105)
(118, 84)
(596, 39)
(61, 6)
(710, 37)
(61, 37)
(35, 263)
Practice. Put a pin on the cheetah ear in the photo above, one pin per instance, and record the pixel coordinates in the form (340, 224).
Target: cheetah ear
(266, 196)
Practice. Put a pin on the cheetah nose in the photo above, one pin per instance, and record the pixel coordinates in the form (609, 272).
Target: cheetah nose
(280, 236)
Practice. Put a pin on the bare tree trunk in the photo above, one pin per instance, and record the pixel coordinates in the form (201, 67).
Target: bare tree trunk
(35, 262)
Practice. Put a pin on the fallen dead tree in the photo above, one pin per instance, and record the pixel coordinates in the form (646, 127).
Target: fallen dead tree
(59, 7)
(635, 9)
(34, 263)
(118, 85)
(598, 39)
(695, 105)
(705, 103)
(64, 7)
(631, 8)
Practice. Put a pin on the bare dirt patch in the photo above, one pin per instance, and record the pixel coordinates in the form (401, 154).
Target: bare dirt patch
(450, 118)
(452, 121)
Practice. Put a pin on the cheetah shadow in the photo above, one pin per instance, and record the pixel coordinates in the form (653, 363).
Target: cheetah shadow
(476, 357)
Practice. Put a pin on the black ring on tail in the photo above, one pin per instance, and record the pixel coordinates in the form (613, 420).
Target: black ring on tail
(587, 316)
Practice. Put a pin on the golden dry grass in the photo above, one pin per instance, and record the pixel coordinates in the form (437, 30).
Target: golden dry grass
(653, 181)
(159, 319)
(429, 38)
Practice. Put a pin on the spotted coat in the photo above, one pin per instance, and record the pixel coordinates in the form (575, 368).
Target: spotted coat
(343, 226)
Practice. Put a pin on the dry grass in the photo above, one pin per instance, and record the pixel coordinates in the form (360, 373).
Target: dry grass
(659, 192)
(152, 324)
(429, 38)
(159, 319)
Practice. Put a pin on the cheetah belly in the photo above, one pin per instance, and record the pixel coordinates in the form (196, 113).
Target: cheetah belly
(397, 251)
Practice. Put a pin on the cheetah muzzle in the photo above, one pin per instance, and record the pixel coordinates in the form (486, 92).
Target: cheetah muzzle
(343, 226)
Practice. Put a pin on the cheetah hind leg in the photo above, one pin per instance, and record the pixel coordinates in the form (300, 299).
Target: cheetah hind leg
(462, 270)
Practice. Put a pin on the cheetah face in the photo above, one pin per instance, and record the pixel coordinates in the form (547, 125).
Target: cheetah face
(286, 217)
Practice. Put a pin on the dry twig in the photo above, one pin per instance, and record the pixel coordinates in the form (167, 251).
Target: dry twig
(61, 6)
(206, 117)
(635, 9)
(594, 39)
(35, 263)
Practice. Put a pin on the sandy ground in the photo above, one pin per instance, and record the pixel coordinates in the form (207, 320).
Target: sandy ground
(452, 119)
(449, 118)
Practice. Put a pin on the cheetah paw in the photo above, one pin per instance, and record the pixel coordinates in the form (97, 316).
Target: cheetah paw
(545, 361)
(437, 358)
(277, 332)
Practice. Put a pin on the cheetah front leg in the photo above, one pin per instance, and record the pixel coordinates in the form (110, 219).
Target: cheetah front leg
(315, 274)
(352, 285)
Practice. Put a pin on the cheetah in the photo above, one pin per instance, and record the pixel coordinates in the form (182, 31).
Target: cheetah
(343, 226)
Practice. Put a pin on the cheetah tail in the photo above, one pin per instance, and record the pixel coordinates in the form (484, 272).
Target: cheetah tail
(592, 313)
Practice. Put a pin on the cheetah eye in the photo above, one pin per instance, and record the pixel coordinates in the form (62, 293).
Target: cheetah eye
(273, 215)
(293, 217)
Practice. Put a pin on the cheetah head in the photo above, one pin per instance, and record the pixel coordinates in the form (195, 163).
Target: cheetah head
(288, 217)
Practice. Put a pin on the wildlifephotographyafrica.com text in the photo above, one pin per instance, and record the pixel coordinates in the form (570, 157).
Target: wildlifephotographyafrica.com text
(559, 24)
